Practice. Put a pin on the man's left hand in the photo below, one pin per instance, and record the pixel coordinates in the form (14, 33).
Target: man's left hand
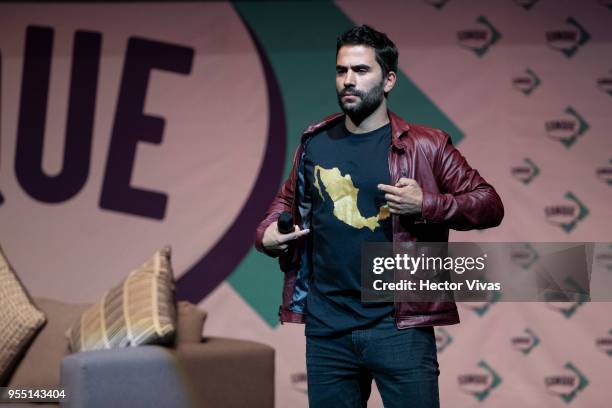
(406, 197)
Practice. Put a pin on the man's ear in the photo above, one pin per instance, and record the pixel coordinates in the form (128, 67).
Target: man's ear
(390, 81)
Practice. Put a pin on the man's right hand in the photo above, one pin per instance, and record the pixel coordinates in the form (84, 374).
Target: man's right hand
(275, 242)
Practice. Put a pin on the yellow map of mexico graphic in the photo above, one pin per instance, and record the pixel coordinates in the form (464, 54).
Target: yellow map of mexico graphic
(343, 193)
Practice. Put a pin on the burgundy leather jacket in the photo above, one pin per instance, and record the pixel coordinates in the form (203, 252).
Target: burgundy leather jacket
(454, 196)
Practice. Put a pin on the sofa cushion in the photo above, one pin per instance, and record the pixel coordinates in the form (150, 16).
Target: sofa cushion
(140, 310)
(40, 367)
(20, 320)
(190, 322)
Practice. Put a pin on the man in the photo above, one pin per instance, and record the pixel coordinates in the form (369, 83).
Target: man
(368, 176)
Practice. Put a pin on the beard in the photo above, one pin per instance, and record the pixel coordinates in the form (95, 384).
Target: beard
(368, 102)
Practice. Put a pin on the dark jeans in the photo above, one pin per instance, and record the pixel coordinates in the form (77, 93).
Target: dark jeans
(403, 363)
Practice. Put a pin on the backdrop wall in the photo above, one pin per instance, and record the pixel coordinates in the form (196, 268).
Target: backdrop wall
(125, 127)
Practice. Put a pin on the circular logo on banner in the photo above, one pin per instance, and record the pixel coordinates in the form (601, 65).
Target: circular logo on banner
(123, 138)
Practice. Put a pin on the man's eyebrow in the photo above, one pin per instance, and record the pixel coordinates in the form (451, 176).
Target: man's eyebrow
(354, 67)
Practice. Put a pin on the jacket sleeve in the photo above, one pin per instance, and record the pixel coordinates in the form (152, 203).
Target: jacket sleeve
(465, 201)
(283, 201)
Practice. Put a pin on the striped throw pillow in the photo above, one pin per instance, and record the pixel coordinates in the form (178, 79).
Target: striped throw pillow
(140, 310)
(19, 319)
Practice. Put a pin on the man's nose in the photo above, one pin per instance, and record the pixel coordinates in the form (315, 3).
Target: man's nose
(349, 79)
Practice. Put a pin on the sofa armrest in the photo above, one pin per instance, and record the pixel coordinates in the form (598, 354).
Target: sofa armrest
(143, 376)
(229, 372)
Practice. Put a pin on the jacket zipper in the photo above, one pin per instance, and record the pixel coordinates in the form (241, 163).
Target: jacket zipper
(393, 216)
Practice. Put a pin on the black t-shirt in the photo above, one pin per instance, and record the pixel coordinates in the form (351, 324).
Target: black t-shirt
(342, 171)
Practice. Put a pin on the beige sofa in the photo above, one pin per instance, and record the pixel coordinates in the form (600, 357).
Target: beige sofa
(196, 372)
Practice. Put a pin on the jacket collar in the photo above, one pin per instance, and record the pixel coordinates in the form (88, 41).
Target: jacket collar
(399, 127)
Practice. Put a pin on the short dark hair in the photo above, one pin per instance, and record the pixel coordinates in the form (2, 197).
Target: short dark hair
(386, 51)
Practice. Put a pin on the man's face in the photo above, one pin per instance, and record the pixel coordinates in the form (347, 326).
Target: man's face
(359, 81)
